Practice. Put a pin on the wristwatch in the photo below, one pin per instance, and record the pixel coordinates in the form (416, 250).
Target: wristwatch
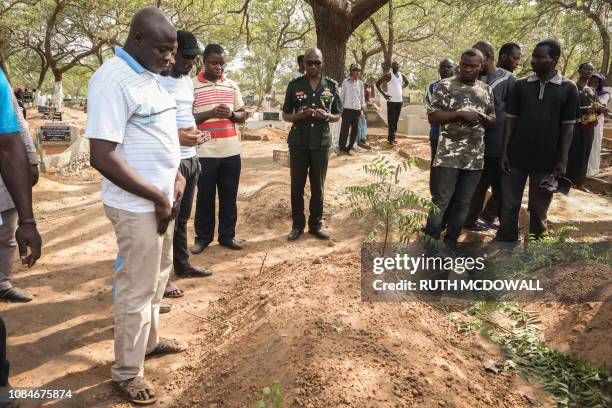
(27, 221)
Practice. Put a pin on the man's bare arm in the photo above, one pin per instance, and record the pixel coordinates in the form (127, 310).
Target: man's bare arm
(386, 78)
(509, 126)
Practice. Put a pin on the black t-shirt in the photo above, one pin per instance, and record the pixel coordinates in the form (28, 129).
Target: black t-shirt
(540, 108)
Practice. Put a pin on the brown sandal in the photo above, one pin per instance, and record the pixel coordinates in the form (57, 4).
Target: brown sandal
(132, 388)
(166, 346)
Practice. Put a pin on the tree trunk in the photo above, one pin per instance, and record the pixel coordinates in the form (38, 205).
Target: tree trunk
(335, 22)
(333, 32)
(58, 92)
(332, 44)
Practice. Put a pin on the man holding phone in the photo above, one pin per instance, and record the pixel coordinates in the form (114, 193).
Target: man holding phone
(178, 84)
(217, 107)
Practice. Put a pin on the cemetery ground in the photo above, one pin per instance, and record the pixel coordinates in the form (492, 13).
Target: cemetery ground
(296, 318)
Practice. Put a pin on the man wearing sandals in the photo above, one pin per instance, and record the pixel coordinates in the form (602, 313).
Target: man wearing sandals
(134, 141)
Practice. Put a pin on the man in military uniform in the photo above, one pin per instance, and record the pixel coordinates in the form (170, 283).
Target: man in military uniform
(463, 107)
(311, 102)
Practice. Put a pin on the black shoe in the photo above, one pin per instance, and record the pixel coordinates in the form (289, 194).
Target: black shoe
(294, 234)
(231, 244)
(199, 246)
(193, 272)
(15, 295)
(319, 233)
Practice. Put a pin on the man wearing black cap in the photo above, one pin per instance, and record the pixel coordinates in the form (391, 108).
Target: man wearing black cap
(178, 83)
(353, 101)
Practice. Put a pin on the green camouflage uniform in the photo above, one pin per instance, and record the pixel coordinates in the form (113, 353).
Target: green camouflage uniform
(461, 145)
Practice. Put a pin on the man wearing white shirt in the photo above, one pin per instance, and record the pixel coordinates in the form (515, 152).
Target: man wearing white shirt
(353, 101)
(396, 82)
(134, 142)
(178, 83)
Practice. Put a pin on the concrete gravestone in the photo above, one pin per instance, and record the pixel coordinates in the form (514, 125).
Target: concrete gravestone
(60, 132)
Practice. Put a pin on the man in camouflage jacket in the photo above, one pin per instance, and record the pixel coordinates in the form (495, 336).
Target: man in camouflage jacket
(463, 107)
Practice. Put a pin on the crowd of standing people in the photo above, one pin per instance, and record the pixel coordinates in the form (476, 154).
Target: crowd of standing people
(158, 136)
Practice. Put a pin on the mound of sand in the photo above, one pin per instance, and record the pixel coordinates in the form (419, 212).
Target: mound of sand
(269, 206)
(265, 134)
(303, 324)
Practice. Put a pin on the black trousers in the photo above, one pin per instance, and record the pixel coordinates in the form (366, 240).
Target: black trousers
(350, 118)
(190, 169)
(512, 188)
(456, 184)
(4, 364)
(222, 175)
(393, 113)
(311, 164)
(491, 177)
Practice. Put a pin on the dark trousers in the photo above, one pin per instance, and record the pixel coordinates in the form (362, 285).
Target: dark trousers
(311, 164)
(190, 169)
(393, 113)
(4, 364)
(512, 188)
(350, 118)
(222, 175)
(491, 177)
(448, 183)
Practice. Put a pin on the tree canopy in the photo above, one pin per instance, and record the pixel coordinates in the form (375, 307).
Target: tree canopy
(46, 42)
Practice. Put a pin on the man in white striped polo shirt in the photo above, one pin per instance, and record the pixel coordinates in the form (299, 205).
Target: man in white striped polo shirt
(217, 108)
(132, 129)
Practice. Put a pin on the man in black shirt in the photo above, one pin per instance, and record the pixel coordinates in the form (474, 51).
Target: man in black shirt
(540, 117)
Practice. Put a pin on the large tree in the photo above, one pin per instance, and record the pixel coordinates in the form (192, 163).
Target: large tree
(335, 21)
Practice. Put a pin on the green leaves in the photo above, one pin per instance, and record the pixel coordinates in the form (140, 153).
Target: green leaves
(393, 211)
(270, 397)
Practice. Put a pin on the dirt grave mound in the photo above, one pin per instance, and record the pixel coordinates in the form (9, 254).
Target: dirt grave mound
(269, 206)
(302, 323)
(265, 134)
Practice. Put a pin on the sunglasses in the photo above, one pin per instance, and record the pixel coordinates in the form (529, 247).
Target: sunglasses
(315, 63)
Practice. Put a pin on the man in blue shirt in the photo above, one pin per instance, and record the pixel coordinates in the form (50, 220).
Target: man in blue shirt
(446, 69)
(15, 170)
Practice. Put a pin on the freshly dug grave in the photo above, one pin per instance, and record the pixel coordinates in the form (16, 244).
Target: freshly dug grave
(303, 324)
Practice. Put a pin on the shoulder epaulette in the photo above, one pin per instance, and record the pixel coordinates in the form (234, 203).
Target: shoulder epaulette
(333, 81)
(297, 78)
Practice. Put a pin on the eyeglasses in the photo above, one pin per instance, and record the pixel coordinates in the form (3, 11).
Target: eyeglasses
(315, 63)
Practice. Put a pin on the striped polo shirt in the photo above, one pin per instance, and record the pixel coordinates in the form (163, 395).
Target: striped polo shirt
(127, 105)
(208, 95)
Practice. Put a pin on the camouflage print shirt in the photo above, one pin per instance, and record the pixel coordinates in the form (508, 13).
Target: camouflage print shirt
(461, 145)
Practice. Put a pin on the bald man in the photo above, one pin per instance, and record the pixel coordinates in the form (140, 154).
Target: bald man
(132, 130)
(311, 103)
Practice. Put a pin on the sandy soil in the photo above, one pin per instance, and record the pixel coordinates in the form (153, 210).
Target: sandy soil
(298, 320)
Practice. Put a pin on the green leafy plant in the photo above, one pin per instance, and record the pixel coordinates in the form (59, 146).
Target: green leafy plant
(574, 382)
(270, 397)
(393, 210)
